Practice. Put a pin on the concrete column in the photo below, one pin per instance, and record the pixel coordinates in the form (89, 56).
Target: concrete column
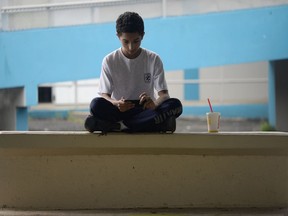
(8, 118)
(11, 101)
(271, 95)
(278, 94)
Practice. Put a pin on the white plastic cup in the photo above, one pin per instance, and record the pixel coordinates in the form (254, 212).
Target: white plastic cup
(213, 121)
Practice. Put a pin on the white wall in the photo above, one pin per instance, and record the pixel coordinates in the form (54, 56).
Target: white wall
(64, 92)
(175, 90)
(232, 90)
(245, 83)
(80, 92)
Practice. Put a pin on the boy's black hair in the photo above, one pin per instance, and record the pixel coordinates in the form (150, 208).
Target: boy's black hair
(130, 22)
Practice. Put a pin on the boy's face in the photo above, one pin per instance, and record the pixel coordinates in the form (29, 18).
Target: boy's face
(130, 44)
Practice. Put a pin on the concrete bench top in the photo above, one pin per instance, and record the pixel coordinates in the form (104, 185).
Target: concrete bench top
(84, 143)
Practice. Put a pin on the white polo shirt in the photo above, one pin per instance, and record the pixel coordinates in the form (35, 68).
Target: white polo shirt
(128, 78)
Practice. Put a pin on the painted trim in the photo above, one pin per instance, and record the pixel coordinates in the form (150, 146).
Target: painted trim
(46, 114)
(191, 91)
(21, 118)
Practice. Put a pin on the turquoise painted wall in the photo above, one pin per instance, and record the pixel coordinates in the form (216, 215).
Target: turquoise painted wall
(59, 54)
(31, 57)
(222, 38)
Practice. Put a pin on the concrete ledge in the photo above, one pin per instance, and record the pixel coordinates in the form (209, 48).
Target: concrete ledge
(78, 170)
(83, 143)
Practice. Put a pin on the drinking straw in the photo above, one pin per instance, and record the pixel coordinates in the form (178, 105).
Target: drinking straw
(210, 105)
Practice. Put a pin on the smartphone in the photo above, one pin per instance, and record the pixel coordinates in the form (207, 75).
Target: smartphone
(136, 102)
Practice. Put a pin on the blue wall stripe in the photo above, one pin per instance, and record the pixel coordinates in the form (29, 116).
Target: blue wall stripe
(191, 91)
(221, 38)
(253, 111)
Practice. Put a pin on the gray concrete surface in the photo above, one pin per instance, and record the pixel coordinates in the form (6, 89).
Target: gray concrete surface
(167, 212)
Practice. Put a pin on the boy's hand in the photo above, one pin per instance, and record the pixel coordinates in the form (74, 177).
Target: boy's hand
(124, 105)
(146, 101)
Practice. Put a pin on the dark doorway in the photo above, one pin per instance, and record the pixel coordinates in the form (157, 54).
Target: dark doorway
(45, 94)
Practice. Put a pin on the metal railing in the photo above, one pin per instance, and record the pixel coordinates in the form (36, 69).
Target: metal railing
(13, 16)
(71, 5)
